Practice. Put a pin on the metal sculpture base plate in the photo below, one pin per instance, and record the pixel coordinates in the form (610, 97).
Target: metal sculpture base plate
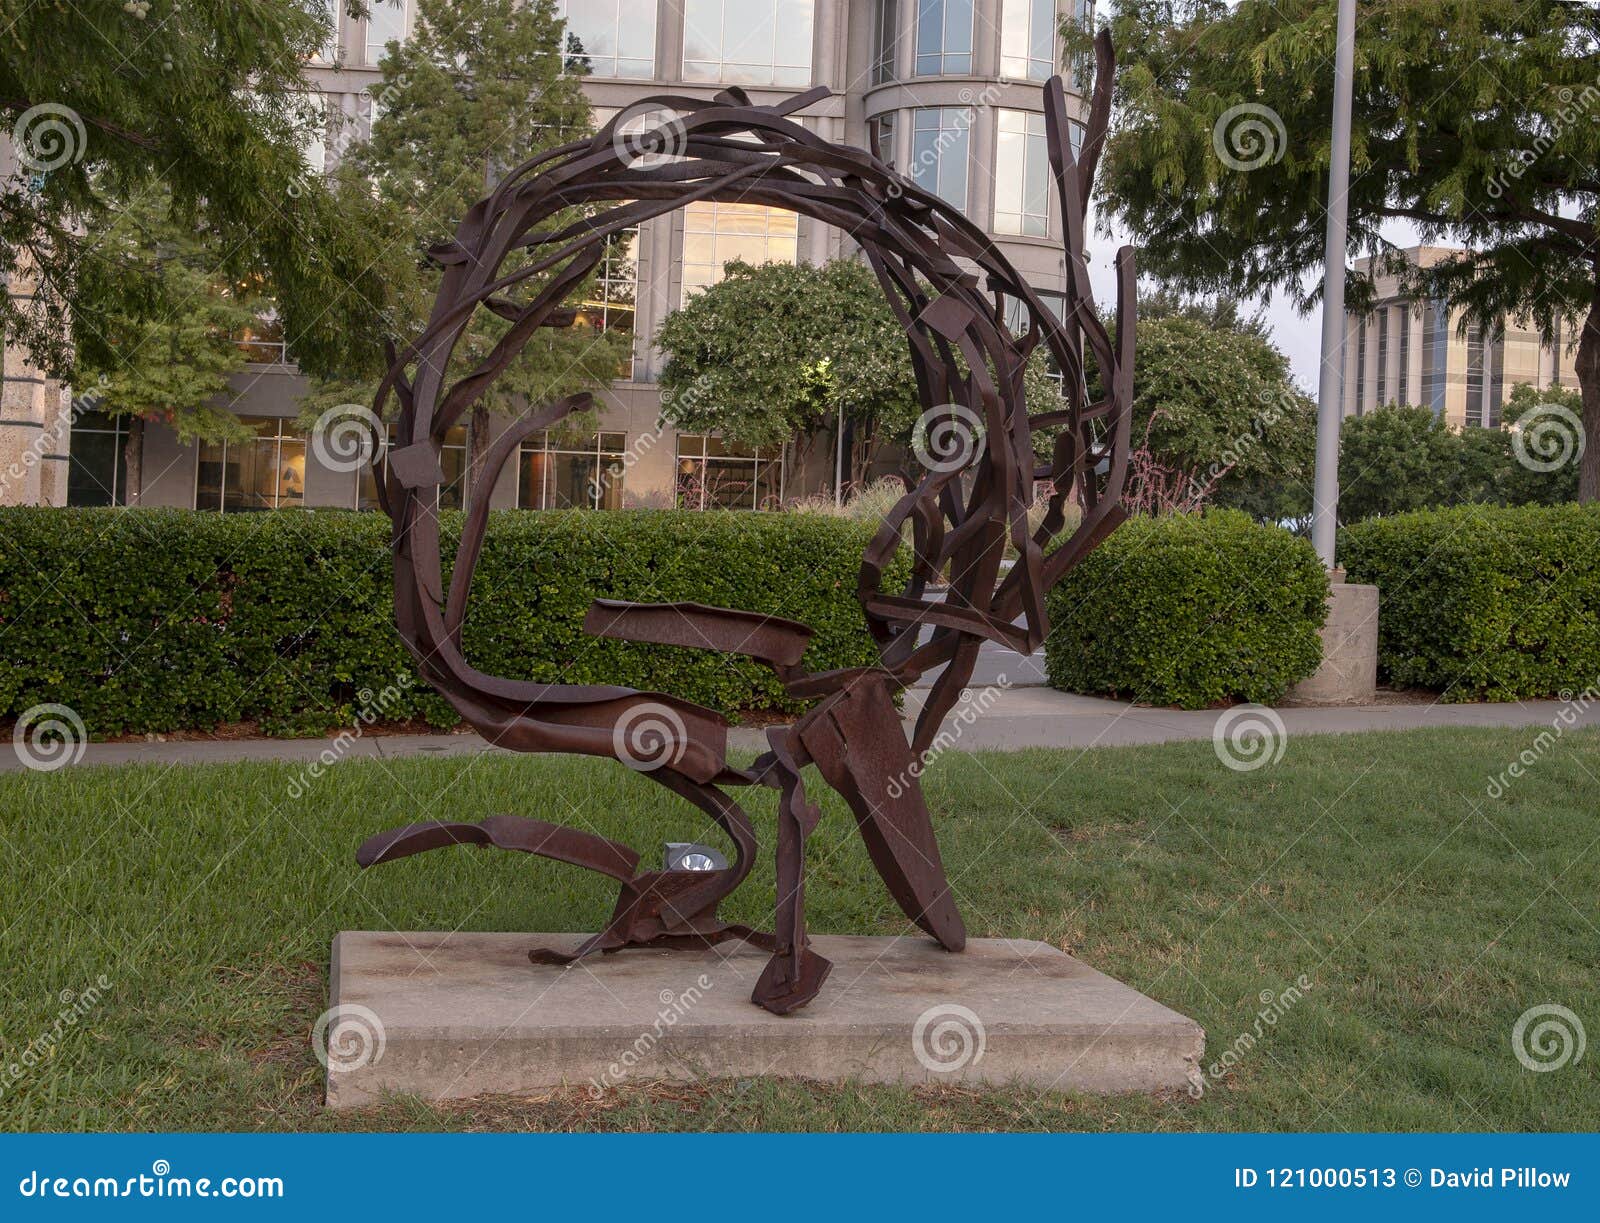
(452, 1016)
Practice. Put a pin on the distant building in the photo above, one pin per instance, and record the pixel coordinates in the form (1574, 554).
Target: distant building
(947, 90)
(1412, 352)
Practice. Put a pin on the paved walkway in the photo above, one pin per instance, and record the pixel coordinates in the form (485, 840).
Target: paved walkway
(1018, 717)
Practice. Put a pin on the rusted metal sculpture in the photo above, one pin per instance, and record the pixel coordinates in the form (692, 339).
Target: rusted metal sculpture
(949, 286)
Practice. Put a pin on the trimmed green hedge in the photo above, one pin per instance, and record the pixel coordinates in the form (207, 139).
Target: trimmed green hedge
(1484, 602)
(159, 620)
(1189, 610)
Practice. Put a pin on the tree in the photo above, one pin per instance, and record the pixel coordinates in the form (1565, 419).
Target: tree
(770, 355)
(1473, 119)
(477, 90)
(1405, 458)
(198, 105)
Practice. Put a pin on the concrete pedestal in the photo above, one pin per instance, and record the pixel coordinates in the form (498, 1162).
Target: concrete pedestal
(450, 1016)
(1349, 671)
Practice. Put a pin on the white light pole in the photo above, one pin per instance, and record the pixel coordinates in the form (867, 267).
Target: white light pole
(1330, 383)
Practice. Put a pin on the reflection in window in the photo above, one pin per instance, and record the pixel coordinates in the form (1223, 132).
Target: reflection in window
(267, 472)
(611, 38)
(556, 473)
(939, 152)
(1028, 40)
(386, 23)
(885, 34)
(944, 37)
(1017, 324)
(452, 458)
(96, 472)
(880, 137)
(714, 474)
(262, 341)
(715, 233)
(1021, 175)
(616, 288)
(748, 42)
(331, 10)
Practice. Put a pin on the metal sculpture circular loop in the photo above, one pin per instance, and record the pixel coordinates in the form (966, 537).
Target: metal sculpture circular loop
(540, 234)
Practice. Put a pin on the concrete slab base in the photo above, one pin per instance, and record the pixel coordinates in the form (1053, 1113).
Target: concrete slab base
(1349, 671)
(451, 1016)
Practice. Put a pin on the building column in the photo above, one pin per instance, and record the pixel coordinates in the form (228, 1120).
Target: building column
(35, 428)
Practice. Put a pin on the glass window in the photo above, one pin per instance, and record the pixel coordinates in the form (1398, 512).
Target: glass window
(714, 474)
(96, 471)
(1477, 410)
(1435, 354)
(559, 473)
(748, 42)
(386, 23)
(880, 138)
(885, 36)
(611, 38)
(1361, 362)
(1383, 358)
(331, 11)
(266, 473)
(715, 233)
(262, 341)
(939, 152)
(1021, 175)
(1028, 40)
(944, 37)
(1403, 376)
(616, 288)
(452, 457)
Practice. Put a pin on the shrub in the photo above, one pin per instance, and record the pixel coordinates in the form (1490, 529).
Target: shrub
(1189, 610)
(160, 620)
(1483, 602)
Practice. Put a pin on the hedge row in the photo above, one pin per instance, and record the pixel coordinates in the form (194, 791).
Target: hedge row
(1189, 610)
(160, 620)
(1482, 602)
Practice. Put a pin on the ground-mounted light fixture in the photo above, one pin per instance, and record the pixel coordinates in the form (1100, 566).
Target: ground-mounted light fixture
(687, 856)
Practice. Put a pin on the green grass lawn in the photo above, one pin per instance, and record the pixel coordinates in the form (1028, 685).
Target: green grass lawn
(1426, 916)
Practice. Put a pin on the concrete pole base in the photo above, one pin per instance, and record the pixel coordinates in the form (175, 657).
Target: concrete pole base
(1349, 671)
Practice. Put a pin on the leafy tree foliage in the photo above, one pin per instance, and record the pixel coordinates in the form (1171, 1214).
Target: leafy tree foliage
(477, 90)
(195, 107)
(1405, 458)
(1473, 119)
(771, 354)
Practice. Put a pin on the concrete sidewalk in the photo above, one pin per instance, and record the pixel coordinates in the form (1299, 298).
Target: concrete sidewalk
(1001, 719)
